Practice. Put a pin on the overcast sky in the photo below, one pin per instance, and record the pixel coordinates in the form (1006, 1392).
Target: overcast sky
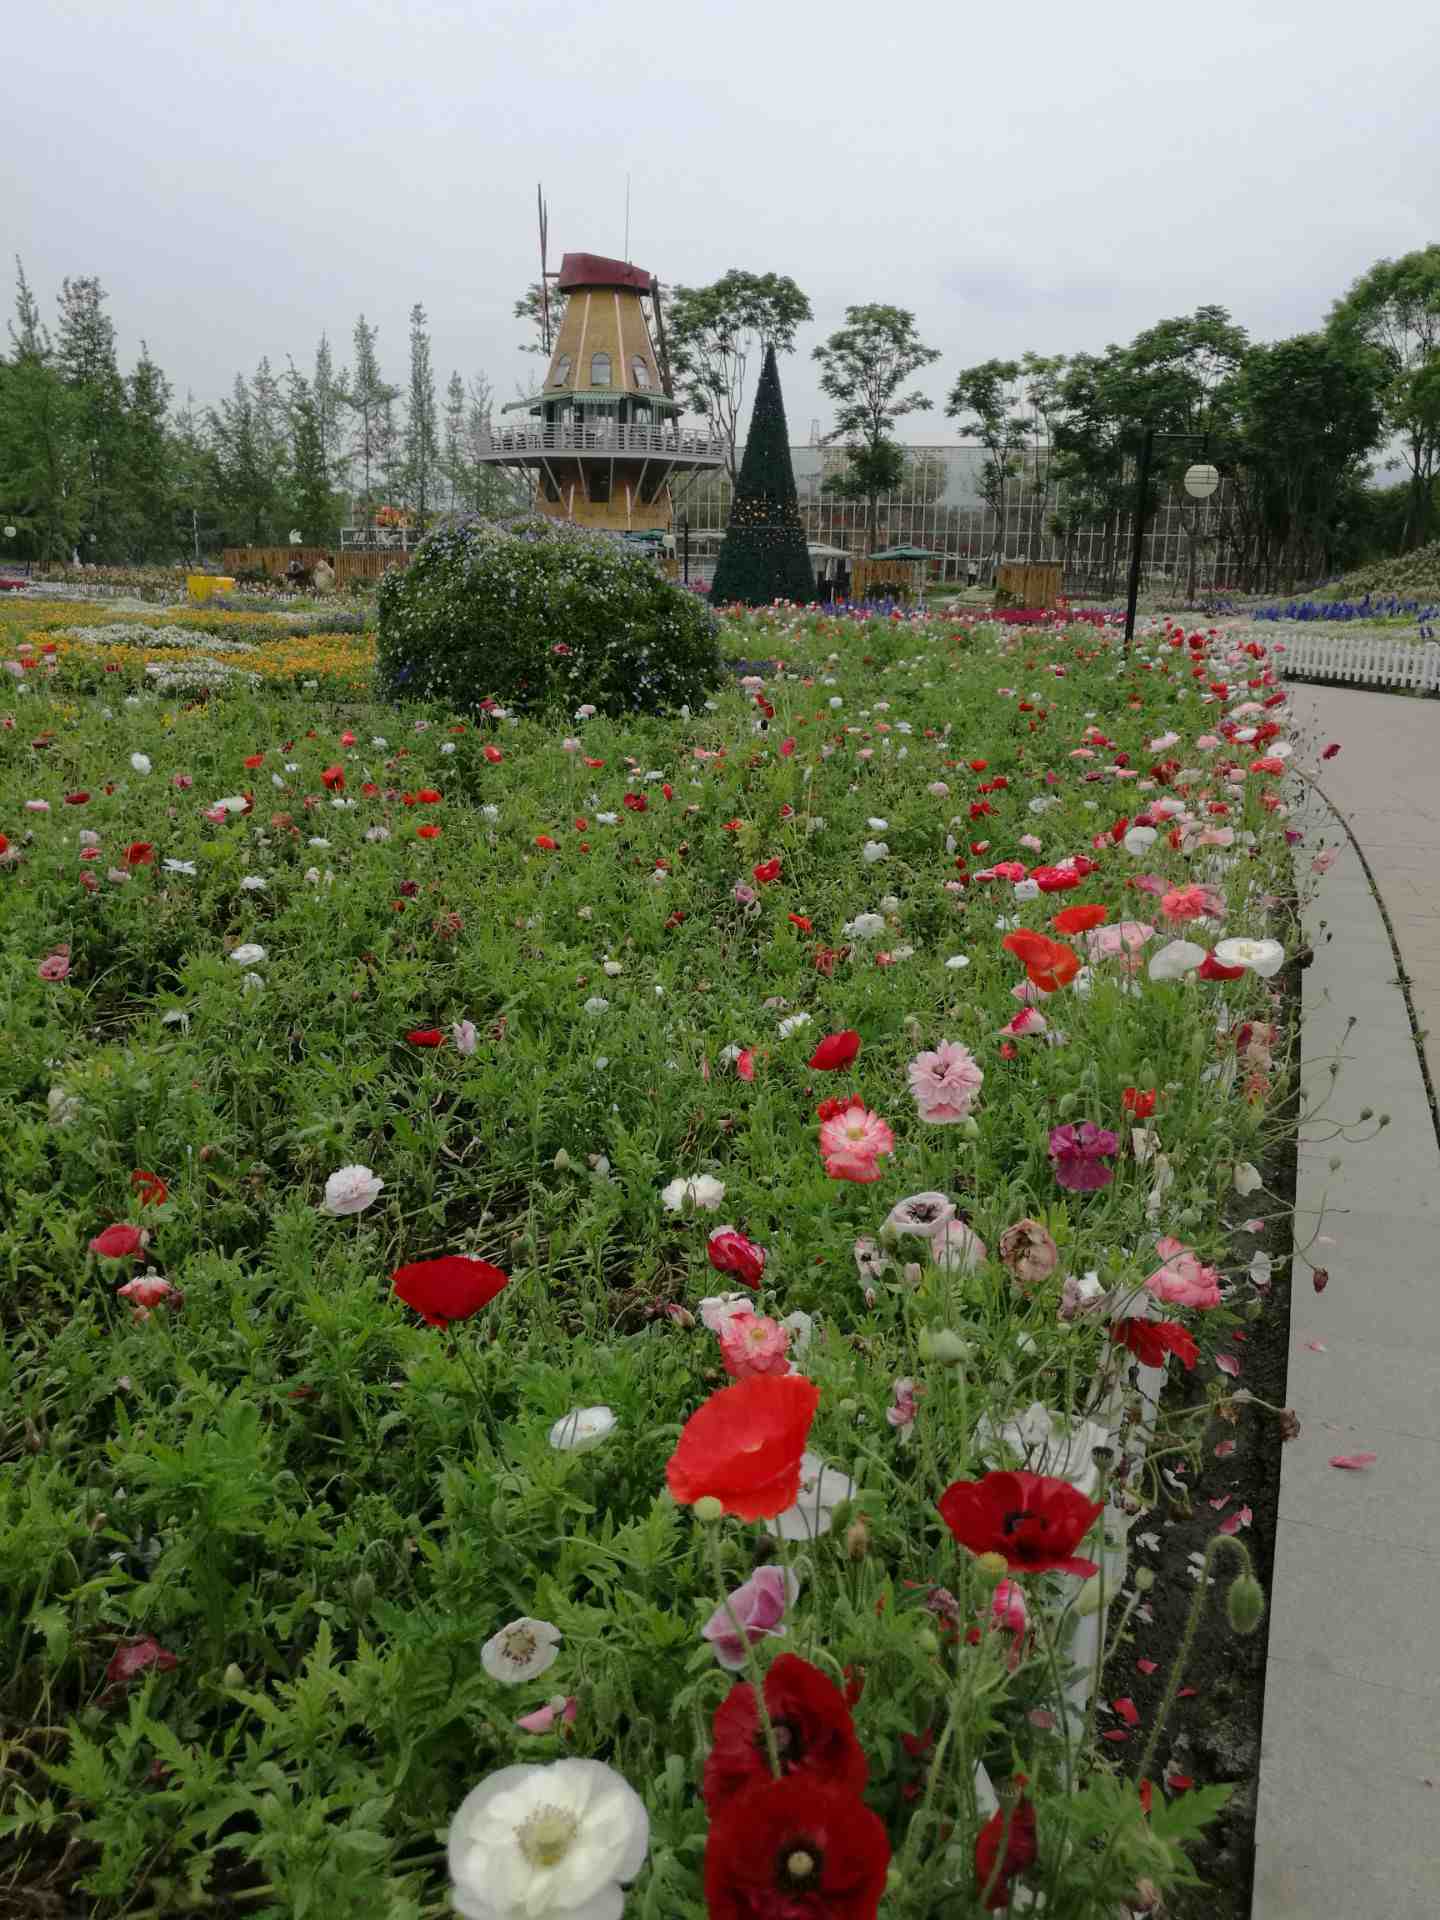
(1051, 175)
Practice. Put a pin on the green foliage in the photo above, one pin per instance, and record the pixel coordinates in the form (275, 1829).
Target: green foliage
(765, 557)
(712, 332)
(541, 613)
(1395, 310)
(863, 367)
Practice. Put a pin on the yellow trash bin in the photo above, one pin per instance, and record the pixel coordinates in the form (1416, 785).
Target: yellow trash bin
(202, 585)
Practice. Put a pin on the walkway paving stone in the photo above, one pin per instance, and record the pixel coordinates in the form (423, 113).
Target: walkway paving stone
(1349, 1806)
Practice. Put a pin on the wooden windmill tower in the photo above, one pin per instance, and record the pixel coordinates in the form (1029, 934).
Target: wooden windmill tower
(603, 437)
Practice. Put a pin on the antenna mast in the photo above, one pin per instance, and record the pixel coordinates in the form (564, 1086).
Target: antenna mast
(544, 267)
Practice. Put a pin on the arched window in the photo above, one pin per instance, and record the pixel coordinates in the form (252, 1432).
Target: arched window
(599, 369)
(562, 371)
(640, 371)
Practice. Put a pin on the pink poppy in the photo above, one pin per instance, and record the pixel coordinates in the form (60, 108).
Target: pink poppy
(752, 1343)
(945, 1083)
(55, 965)
(562, 1707)
(956, 1247)
(1192, 903)
(1182, 1280)
(852, 1140)
(128, 1662)
(1079, 1155)
(119, 1242)
(1027, 1021)
(758, 1609)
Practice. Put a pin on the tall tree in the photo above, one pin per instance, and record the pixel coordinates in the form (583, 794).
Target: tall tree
(330, 390)
(41, 455)
(530, 309)
(85, 356)
(764, 556)
(1395, 308)
(985, 402)
(245, 472)
(147, 462)
(714, 330)
(863, 367)
(369, 399)
(311, 498)
(422, 445)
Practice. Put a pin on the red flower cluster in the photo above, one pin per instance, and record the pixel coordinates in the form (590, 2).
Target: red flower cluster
(805, 1846)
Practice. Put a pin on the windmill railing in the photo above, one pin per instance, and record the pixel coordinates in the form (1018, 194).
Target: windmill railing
(608, 439)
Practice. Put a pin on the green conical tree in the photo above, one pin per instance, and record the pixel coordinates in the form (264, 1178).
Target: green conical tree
(764, 556)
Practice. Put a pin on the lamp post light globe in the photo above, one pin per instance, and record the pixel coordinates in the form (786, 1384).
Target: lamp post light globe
(1201, 480)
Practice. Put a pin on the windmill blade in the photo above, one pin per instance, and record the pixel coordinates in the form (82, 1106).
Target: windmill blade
(544, 266)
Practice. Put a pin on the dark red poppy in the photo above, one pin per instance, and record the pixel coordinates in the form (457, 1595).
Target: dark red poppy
(427, 833)
(1141, 1104)
(828, 1109)
(139, 853)
(151, 1188)
(1080, 919)
(118, 1242)
(1056, 879)
(635, 803)
(1151, 1340)
(451, 1288)
(129, 1661)
(79, 799)
(333, 778)
(813, 1731)
(1212, 969)
(429, 796)
(743, 1447)
(795, 1850)
(730, 1252)
(493, 755)
(1032, 1520)
(425, 1037)
(1004, 1846)
(836, 1050)
(765, 872)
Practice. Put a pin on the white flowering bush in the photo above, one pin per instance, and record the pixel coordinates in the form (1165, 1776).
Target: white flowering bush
(539, 613)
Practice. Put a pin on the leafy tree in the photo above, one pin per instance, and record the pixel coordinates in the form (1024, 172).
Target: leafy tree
(245, 474)
(714, 330)
(85, 357)
(40, 449)
(530, 309)
(311, 497)
(422, 446)
(1395, 308)
(147, 462)
(863, 367)
(764, 556)
(870, 472)
(331, 390)
(984, 401)
(369, 399)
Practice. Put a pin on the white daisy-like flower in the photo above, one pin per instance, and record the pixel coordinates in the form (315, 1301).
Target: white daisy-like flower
(521, 1651)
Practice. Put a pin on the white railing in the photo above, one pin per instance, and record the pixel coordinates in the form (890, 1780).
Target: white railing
(381, 539)
(1367, 660)
(605, 439)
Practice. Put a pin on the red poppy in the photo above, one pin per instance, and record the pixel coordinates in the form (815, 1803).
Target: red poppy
(733, 826)
(427, 832)
(743, 1446)
(597, 764)
(253, 760)
(493, 755)
(1080, 919)
(425, 1037)
(793, 1850)
(799, 920)
(765, 872)
(118, 1242)
(730, 1252)
(543, 841)
(429, 796)
(787, 747)
(635, 802)
(151, 1188)
(135, 1658)
(451, 1288)
(139, 853)
(1049, 964)
(334, 779)
(1004, 1846)
(79, 799)
(1033, 1520)
(1142, 1105)
(1151, 1340)
(978, 766)
(828, 1109)
(1212, 969)
(1056, 879)
(813, 1728)
(836, 1050)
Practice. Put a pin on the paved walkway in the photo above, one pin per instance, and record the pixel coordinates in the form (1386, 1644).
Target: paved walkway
(1349, 1804)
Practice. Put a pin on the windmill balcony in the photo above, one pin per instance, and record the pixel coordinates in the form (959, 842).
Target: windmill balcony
(609, 440)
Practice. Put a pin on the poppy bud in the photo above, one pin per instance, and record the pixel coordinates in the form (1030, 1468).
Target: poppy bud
(857, 1539)
(1289, 1424)
(927, 1640)
(1245, 1603)
(1144, 1579)
(707, 1510)
(234, 1676)
(939, 1343)
(362, 1591)
(562, 1162)
(992, 1568)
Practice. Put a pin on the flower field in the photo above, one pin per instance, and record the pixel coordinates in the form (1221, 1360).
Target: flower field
(587, 1302)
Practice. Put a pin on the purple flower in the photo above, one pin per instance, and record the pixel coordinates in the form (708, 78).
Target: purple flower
(759, 1608)
(1079, 1155)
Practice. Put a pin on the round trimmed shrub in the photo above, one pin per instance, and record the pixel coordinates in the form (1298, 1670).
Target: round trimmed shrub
(537, 613)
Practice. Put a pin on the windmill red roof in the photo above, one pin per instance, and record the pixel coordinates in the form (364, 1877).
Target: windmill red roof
(594, 270)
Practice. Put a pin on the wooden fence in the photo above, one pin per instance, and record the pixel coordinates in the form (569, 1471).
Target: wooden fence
(1366, 660)
(350, 564)
(1028, 583)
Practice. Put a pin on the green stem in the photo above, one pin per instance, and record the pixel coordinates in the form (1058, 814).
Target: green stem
(752, 1664)
(1187, 1643)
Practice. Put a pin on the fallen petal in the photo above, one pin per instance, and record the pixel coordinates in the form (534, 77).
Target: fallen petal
(1353, 1461)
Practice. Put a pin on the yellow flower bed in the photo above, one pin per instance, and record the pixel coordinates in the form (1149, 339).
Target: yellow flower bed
(347, 659)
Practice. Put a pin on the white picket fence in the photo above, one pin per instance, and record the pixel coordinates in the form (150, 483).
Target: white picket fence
(1368, 660)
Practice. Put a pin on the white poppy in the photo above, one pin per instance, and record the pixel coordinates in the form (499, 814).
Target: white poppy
(140, 762)
(521, 1651)
(351, 1190)
(1140, 840)
(717, 1310)
(180, 866)
(792, 1023)
(249, 954)
(957, 961)
(596, 1005)
(865, 926)
(703, 1191)
(1047, 1442)
(582, 1429)
(874, 850)
(822, 1489)
(1248, 1178)
(548, 1843)
(1175, 960)
(1262, 957)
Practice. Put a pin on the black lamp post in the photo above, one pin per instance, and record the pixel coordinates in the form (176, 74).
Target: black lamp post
(1200, 481)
